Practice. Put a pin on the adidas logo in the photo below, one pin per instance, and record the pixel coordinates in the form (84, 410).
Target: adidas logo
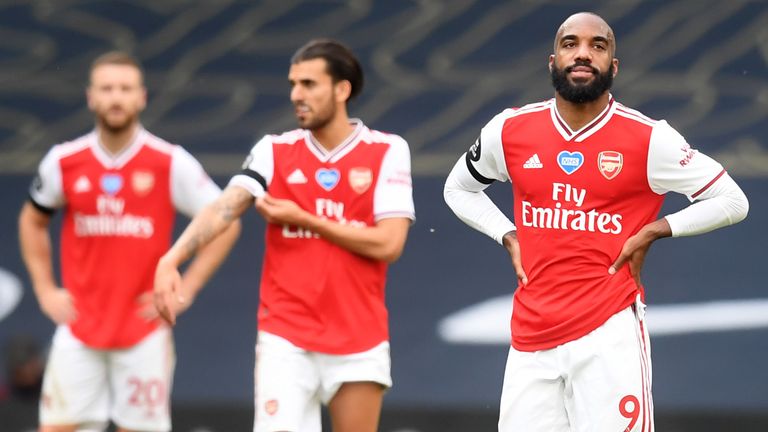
(533, 162)
(82, 185)
(296, 177)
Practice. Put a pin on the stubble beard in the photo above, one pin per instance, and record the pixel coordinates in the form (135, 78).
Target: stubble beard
(116, 127)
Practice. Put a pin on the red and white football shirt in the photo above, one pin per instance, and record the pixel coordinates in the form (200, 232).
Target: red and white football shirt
(578, 196)
(320, 296)
(118, 220)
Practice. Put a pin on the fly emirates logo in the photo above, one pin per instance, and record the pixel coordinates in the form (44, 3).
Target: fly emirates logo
(577, 220)
(110, 221)
(324, 208)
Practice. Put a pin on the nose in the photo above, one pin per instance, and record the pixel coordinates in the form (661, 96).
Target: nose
(584, 52)
(296, 93)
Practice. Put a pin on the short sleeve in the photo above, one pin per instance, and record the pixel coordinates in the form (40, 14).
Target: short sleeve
(191, 187)
(258, 168)
(485, 159)
(393, 196)
(46, 191)
(673, 166)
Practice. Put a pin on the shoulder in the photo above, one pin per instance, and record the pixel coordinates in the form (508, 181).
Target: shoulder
(153, 142)
(530, 108)
(288, 137)
(373, 136)
(75, 146)
(521, 113)
(636, 116)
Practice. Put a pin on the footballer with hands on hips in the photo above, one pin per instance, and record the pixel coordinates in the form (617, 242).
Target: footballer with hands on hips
(588, 176)
(119, 188)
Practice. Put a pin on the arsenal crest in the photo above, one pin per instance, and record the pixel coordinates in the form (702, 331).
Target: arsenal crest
(609, 163)
(142, 182)
(360, 179)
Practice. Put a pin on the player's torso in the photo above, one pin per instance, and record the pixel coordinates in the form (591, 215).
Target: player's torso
(315, 293)
(578, 196)
(564, 187)
(117, 222)
(128, 203)
(340, 189)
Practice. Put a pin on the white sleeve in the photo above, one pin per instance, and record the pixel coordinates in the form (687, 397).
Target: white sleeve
(258, 169)
(472, 173)
(393, 196)
(46, 191)
(674, 166)
(191, 188)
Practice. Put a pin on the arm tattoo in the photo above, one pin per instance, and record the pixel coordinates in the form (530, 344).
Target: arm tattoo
(201, 238)
(233, 203)
(228, 207)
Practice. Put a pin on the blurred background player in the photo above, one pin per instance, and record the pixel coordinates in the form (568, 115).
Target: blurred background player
(589, 176)
(119, 186)
(337, 197)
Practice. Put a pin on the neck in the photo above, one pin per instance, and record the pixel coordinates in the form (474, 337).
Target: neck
(334, 133)
(577, 115)
(116, 141)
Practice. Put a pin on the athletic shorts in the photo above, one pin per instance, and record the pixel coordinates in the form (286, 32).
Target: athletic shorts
(89, 386)
(292, 383)
(599, 382)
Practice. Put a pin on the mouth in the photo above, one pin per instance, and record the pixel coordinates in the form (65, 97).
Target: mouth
(301, 109)
(581, 71)
(115, 111)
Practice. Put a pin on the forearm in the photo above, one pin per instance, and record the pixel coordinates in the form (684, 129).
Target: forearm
(724, 204)
(384, 241)
(655, 230)
(203, 229)
(35, 244)
(213, 220)
(467, 200)
(208, 259)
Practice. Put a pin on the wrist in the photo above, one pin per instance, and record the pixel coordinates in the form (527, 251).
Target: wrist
(45, 288)
(508, 238)
(168, 261)
(312, 222)
(657, 229)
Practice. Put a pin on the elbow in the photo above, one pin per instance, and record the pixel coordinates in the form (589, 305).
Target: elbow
(449, 195)
(391, 253)
(742, 208)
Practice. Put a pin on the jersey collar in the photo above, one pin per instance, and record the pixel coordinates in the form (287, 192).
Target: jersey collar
(339, 151)
(587, 130)
(117, 160)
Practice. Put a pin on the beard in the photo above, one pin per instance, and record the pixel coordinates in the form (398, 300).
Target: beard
(581, 93)
(115, 126)
(321, 119)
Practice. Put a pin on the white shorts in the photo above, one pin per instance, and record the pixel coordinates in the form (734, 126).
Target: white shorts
(89, 386)
(600, 382)
(291, 383)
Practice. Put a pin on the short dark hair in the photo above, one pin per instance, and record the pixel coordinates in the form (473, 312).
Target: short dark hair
(341, 62)
(117, 58)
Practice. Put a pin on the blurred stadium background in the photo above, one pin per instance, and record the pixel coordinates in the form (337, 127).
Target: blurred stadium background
(436, 71)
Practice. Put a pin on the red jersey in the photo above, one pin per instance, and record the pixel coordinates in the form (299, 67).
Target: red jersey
(118, 219)
(318, 295)
(578, 196)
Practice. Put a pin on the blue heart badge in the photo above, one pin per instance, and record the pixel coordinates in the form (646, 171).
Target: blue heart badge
(111, 183)
(570, 162)
(327, 178)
